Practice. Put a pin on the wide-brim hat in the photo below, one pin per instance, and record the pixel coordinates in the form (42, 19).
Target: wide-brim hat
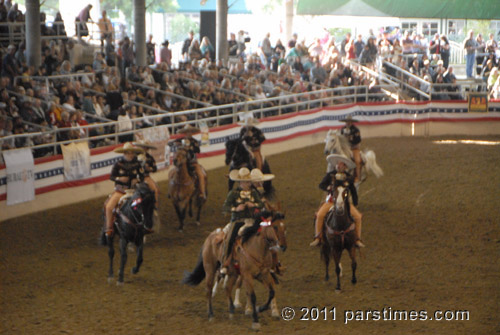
(128, 147)
(242, 174)
(247, 119)
(257, 175)
(188, 129)
(145, 145)
(349, 119)
(334, 159)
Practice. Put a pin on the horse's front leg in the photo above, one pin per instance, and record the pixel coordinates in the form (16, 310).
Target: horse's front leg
(354, 265)
(325, 251)
(253, 299)
(269, 282)
(210, 278)
(181, 213)
(111, 254)
(237, 303)
(139, 260)
(336, 257)
(123, 260)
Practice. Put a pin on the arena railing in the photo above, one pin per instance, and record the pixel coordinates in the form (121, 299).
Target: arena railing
(217, 115)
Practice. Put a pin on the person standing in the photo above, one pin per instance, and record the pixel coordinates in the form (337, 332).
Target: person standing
(105, 27)
(166, 54)
(470, 46)
(186, 45)
(82, 19)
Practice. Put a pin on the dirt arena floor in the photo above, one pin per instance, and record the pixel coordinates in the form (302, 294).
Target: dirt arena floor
(431, 226)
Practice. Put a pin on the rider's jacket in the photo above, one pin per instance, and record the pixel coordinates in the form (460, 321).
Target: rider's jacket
(124, 168)
(353, 135)
(239, 196)
(333, 179)
(253, 136)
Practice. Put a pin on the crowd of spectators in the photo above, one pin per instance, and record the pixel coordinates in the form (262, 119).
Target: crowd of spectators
(111, 86)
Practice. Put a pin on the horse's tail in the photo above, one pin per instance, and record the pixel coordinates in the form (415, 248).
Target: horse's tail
(371, 164)
(197, 275)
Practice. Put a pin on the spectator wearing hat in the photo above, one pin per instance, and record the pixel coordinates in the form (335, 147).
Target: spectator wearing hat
(166, 54)
(339, 176)
(354, 137)
(125, 173)
(242, 202)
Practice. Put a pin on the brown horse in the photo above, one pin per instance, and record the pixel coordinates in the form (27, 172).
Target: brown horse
(340, 234)
(184, 188)
(255, 262)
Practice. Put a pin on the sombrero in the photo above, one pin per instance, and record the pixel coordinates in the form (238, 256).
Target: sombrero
(145, 145)
(334, 159)
(128, 147)
(257, 175)
(349, 119)
(247, 119)
(242, 174)
(188, 129)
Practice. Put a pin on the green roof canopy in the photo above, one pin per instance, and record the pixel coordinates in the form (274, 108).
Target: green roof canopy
(445, 9)
(195, 6)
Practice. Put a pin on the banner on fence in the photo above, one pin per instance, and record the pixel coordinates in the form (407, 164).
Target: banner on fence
(158, 136)
(76, 161)
(20, 169)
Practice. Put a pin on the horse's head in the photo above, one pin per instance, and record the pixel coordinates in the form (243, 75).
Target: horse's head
(180, 157)
(340, 200)
(331, 142)
(268, 233)
(278, 223)
(139, 208)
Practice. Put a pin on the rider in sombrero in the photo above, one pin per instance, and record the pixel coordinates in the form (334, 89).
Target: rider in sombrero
(192, 146)
(338, 176)
(243, 203)
(354, 137)
(125, 173)
(252, 136)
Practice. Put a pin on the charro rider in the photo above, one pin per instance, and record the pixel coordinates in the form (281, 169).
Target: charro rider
(252, 137)
(149, 164)
(338, 176)
(192, 146)
(243, 203)
(125, 173)
(354, 137)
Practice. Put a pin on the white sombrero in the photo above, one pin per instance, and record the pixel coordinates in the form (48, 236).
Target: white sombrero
(257, 175)
(242, 174)
(247, 119)
(189, 129)
(334, 159)
(145, 145)
(128, 147)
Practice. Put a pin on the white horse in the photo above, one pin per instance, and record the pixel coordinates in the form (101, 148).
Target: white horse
(336, 143)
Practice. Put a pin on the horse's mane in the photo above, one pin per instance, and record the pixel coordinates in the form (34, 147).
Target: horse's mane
(142, 190)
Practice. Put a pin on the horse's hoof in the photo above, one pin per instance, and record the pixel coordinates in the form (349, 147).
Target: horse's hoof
(275, 314)
(338, 291)
(210, 318)
(237, 305)
(111, 280)
(135, 270)
(119, 283)
(231, 316)
(198, 223)
(255, 326)
(354, 281)
(248, 311)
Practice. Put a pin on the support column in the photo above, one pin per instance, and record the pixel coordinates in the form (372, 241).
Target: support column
(32, 33)
(288, 21)
(221, 31)
(140, 32)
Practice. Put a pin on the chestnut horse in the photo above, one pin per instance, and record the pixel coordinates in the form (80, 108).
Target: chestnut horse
(255, 262)
(339, 234)
(184, 188)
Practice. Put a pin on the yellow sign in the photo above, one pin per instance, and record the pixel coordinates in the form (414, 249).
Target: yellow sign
(478, 102)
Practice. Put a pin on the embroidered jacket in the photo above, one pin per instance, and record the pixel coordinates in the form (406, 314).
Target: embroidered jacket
(334, 179)
(353, 135)
(237, 197)
(124, 168)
